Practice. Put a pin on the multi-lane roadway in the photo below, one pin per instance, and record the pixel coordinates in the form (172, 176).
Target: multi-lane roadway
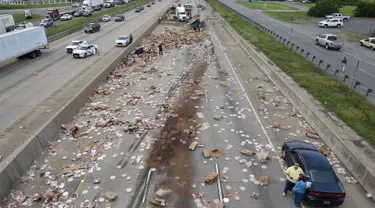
(366, 73)
(20, 89)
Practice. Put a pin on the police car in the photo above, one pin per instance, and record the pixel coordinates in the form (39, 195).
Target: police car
(83, 51)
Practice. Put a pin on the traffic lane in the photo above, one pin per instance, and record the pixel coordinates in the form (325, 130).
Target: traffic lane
(50, 70)
(290, 128)
(122, 147)
(333, 57)
(240, 129)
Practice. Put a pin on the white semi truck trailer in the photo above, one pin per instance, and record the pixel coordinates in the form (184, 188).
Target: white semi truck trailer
(22, 43)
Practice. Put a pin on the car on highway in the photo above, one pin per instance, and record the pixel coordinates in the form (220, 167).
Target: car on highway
(119, 18)
(97, 8)
(306, 2)
(74, 45)
(92, 27)
(47, 22)
(124, 40)
(78, 13)
(138, 9)
(106, 18)
(369, 43)
(153, 2)
(66, 17)
(142, 7)
(87, 13)
(329, 41)
(326, 188)
(76, 5)
(83, 51)
(331, 23)
(149, 5)
(338, 16)
(109, 5)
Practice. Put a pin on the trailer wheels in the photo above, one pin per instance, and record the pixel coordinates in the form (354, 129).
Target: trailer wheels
(38, 53)
(33, 55)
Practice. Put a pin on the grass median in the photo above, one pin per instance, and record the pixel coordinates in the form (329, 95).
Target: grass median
(82, 21)
(20, 17)
(32, 6)
(336, 97)
(266, 6)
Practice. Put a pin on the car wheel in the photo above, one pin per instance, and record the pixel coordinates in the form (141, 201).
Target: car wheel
(283, 154)
(372, 48)
(33, 55)
(325, 26)
(345, 19)
(85, 56)
(38, 53)
(327, 46)
(361, 44)
(85, 31)
(338, 25)
(316, 42)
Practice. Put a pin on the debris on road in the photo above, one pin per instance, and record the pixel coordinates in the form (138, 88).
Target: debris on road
(247, 152)
(158, 202)
(313, 136)
(110, 196)
(216, 153)
(324, 150)
(206, 153)
(193, 145)
(211, 178)
(263, 180)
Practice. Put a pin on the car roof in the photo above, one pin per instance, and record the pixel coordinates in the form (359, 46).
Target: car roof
(328, 34)
(314, 160)
(295, 145)
(123, 36)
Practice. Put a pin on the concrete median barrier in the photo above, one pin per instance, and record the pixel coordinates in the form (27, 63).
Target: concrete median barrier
(13, 167)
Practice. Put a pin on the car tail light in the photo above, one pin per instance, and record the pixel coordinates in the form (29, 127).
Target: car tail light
(331, 43)
(333, 195)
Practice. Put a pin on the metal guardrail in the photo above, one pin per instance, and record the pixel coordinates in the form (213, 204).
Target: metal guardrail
(349, 80)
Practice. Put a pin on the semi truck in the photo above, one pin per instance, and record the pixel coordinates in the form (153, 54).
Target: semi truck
(92, 3)
(22, 43)
(7, 22)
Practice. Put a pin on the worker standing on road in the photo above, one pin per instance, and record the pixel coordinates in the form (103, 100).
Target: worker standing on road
(343, 64)
(300, 190)
(292, 174)
(160, 49)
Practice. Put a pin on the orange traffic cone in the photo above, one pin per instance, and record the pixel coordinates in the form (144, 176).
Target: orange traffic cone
(35, 74)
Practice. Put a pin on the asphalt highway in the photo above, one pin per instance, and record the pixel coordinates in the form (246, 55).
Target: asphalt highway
(20, 89)
(366, 73)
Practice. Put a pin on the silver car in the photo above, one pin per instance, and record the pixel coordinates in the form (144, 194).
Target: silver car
(329, 41)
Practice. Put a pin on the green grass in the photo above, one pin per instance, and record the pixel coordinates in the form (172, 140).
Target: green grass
(336, 97)
(352, 36)
(97, 15)
(32, 6)
(270, 6)
(298, 17)
(302, 18)
(19, 17)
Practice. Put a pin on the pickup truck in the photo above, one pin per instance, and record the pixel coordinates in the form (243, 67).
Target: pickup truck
(338, 16)
(369, 43)
(329, 41)
(331, 23)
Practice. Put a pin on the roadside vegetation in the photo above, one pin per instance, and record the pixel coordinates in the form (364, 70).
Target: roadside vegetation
(32, 6)
(20, 17)
(298, 17)
(95, 16)
(266, 6)
(336, 97)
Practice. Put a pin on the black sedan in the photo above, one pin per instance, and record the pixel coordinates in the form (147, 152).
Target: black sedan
(326, 188)
(78, 14)
(138, 9)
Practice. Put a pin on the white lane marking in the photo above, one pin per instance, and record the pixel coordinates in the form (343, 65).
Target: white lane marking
(247, 97)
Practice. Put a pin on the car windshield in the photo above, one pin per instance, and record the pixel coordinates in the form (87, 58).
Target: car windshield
(74, 43)
(106, 16)
(45, 21)
(322, 176)
(332, 38)
(123, 38)
(82, 48)
(119, 16)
